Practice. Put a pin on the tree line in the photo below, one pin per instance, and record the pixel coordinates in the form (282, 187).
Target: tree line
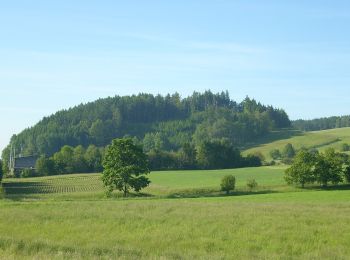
(322, 123)
(209, 155)
(311, 167)
(162, 123)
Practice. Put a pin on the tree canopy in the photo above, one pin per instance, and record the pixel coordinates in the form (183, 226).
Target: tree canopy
(323, 168)
(322, 123)
(164, 123)
(125, 166)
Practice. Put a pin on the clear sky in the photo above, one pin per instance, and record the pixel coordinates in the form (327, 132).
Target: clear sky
(56, 54)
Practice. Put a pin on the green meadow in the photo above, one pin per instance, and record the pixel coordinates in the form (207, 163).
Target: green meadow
(321, 140)
(182, 215)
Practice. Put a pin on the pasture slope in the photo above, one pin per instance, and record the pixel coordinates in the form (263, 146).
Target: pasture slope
(320, 140)
(182, 215)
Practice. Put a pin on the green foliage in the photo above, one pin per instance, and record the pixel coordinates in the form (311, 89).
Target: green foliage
(216, 155)
(316, 167)
(252, 184)
(228, 183)
(71, 160)
(322, 123)
(275, 154)
(187, 156)
(45, 166)
(93, 158)
(27, 173)
(5, 155)
(163, 160)
(154, 141)
(288, 151)
(302, 170)
(125, 165)
(347, 174)
(329, 167)
(160, 122)
(345, 147)
(64, 160)
(1, 171)
(251, 160)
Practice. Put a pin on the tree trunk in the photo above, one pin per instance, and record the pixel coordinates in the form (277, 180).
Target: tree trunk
(125, 191)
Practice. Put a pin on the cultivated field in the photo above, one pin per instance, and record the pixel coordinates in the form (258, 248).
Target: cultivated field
(183, 215)
(320, 140)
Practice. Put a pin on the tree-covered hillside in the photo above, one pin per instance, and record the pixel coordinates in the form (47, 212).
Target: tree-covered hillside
(158, 122)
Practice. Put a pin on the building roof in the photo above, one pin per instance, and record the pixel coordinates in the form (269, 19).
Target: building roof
(25, 162)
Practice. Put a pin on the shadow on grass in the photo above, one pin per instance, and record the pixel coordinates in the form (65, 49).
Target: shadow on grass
(16, 188)
(329, 187)
(274, 136)
(205, 193)
(22, 190)
(119, 195)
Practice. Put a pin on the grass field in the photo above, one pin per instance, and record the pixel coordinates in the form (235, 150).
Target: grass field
(68, 217)
(164, 183)
(320, 140)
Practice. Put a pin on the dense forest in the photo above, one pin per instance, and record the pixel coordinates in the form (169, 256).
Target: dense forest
(322, 123)
(164, 124)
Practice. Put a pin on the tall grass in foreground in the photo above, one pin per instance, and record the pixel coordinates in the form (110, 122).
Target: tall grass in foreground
(301, 225)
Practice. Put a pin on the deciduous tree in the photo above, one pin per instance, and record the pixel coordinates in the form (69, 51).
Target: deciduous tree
(302, 170)
(228, 183)
(125, 166)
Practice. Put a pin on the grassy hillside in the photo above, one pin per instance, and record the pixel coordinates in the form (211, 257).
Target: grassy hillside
(318, 139)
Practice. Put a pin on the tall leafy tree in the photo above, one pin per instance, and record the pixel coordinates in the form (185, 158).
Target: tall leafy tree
(302, 170)
(79, 163)
(64, 160)
(216, 155)
(329, 167)
(93, 158)
(125, 166)
(45, 166)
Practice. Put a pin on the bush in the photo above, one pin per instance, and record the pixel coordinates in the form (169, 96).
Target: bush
(287, 161)
(228, 183)
(347, 174)
(252, 161)
(345, 147)
(26, 173)
(252, 184)
(275, 154)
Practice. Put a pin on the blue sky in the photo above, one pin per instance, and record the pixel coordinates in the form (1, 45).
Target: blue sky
(56, 54)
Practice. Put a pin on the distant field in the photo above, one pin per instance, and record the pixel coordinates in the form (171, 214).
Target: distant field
(163, 183)
(318, 139)
(68, 217)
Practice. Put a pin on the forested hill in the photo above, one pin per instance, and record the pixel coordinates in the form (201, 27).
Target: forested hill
(322, 123)
(158, 122)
